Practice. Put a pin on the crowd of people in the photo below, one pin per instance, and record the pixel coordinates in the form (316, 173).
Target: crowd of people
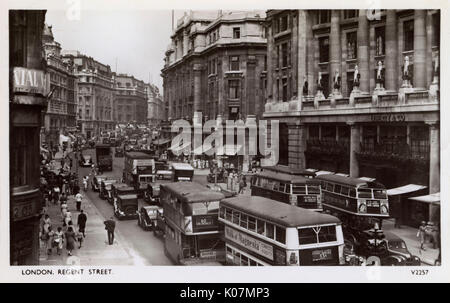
(58, 182)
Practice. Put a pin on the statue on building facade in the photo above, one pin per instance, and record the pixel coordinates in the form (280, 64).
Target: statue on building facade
(380, 73)
(319, 82)
(305, 86)
(337, 80)
(356, 77)
(407, 69)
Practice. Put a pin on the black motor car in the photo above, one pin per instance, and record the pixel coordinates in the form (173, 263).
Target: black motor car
(126, 206)
(106, 188)
(96, 181)
(147, 216)
(85, 160)
(118, 152)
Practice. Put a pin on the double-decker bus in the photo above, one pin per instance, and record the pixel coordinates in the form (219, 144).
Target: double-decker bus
(361, 204)
(294, 189)
(191, 231)
(259, 232)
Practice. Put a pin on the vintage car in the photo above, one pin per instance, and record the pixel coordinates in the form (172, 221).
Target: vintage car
(121, 189)
(126, 206)
(147, 216)
(96, 181)
(398, 253)
(118, 152)
(105, 191)
(85, 160)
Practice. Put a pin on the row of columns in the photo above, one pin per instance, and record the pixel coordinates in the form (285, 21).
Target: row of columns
(297, 148)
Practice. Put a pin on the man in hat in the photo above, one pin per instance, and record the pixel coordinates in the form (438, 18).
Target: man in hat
(110, 225)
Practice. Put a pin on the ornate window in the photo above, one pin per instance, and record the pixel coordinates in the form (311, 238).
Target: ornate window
(379, 40)
(352, 47)
(408, 35)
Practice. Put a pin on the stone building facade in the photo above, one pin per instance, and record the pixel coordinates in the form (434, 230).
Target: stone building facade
(130, 100)
(357, 92)
(156, 109)
(216, 65)
(29, 86)
(95, 104)
(61, 111)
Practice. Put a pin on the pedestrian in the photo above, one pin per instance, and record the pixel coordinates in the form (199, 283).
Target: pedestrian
(50, 238)
(110, 225)
(85, 182)
(241, 186)
(55, 195)
(47, 220)
(421, 234)
(79, 199)
(70, 163)
(76, 187)
(67, 219)
(58, 240)
(70, 240)
(63, 198)
(80, 238)
(81, 222)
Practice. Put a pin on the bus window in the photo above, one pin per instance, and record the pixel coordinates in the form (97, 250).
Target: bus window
(244, 260)
(263, 182)
(270, 232)
(228, 214)
(243, 221)
(313, 189)
(379, 194)
(282, 187)
(344, 190)
(260, 227)
(222, 213)
(307, 236)
(237, 258)
(329, 186)
(327, 234)
(337, 189)
(299, 189)
(352, 193)
(364, 193)
(235, 217)
(254, 181)
(269, 184)
(251, 223)
(280, 234)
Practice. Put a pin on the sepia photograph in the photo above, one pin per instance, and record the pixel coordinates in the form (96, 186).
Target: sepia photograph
(215, 138)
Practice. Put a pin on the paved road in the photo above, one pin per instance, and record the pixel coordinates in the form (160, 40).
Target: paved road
(149, 248)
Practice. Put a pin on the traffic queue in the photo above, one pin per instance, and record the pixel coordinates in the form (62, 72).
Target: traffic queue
(293, 217)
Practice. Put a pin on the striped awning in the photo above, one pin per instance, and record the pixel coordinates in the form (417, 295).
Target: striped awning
(405, 189)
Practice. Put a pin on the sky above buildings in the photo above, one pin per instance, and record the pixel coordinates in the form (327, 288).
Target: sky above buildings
(135, 39)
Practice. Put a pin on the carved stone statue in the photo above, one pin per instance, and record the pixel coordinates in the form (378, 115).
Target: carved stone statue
(436, 66)
(319, 81)
(305, 86)
(407, 70)
(337, 80)
(380, 72)
(356, 77)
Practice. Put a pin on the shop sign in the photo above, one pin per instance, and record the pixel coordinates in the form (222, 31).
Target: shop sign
(31, 81)
(388, 117)
(250, 243)
(23, 210)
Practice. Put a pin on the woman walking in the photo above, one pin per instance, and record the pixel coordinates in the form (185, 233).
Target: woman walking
(50, 238)
(70, 240)
(421, 234)
(58, 240)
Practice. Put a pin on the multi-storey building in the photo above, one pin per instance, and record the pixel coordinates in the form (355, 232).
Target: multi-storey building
(130, 100)
(29, 88)
(95, 104)
(156, 109)
(61, 111)
(357, 92)
(216, 65)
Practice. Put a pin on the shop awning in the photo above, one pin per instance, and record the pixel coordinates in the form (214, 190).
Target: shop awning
(228, 149)
(324, 172)
(161, 141)
(341, 174)
(312, 170)
(430, 199)
(405, 189)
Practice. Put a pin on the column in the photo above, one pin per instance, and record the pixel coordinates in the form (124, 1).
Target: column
(270, 62)
(429, 55)
(390, 51)
(363, 51)
(420, 43)
(197, 90)
(310, 72)
(297, 145)
(185, 41)
(335, 47)
(249, 105)
(434, 157)
(302, 52)
(354, 148)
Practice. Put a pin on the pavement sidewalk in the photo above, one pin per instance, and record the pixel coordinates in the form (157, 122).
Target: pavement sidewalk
(95, 249)
(409, 235)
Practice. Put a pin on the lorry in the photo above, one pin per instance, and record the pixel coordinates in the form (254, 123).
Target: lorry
(139, 170)
(104, 157)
